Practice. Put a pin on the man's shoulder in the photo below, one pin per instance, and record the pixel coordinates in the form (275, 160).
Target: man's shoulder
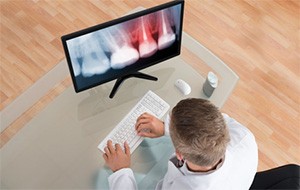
(241, 154)
(239, 134)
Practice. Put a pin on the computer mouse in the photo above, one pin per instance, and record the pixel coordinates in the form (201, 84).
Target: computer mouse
(183, 86)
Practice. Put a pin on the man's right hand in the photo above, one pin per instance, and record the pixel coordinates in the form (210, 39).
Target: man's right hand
(149, 126)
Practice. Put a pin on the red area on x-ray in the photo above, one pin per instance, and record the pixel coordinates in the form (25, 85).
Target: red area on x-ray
(147, 45)
(123, 52)
(166, 35)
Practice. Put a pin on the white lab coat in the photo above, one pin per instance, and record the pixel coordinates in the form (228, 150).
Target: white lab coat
(235, 172)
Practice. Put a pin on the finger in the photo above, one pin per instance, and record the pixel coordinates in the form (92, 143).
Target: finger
(145, 134)
(110, 147)
(140, 122)
(107, 152)
(142, 133)
(118, 147)
(143, 116)
(105, 157)
(145, 127)
(127, 148)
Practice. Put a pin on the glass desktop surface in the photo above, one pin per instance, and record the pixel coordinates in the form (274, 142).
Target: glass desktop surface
(57, 149)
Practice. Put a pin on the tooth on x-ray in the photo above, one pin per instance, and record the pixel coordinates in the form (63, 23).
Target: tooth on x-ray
(166, 35)
(74, 54)
(124, 56)
(94, 63)
(76, 68)
(147, 45)
(87, 52)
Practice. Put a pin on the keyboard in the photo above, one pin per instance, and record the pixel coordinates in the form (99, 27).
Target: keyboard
(125, 130)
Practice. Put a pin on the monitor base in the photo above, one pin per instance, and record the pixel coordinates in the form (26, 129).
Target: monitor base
(136, 75)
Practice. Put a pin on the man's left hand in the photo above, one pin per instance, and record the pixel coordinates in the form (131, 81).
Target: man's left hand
(115, 158)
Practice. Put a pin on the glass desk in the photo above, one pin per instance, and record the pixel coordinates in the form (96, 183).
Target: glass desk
(58, 148)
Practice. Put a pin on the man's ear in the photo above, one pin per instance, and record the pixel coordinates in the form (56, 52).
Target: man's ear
(179, 155)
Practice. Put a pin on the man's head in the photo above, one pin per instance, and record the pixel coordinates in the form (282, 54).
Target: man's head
(198, 131)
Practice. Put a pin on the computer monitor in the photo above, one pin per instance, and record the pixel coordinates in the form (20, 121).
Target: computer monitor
(118, 49)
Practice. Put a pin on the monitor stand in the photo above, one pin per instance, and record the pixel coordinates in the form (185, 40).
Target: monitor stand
(121, 79)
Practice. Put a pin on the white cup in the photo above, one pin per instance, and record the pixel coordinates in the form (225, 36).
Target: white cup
(210, 84)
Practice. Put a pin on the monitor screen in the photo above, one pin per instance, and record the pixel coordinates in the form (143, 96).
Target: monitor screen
(125, 45)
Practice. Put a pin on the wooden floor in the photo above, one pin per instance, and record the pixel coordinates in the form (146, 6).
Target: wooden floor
(258, 39)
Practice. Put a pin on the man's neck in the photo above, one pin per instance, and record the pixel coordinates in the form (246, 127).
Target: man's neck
(196, 168)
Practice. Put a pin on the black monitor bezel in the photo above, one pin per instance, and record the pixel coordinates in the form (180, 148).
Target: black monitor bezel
(67, 37)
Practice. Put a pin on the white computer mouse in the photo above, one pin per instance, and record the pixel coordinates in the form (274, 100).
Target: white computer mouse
(183, 86)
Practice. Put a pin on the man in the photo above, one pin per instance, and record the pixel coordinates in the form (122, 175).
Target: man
(213, 151)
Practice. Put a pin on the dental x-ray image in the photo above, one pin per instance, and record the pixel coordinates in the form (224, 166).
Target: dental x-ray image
(107, 53)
